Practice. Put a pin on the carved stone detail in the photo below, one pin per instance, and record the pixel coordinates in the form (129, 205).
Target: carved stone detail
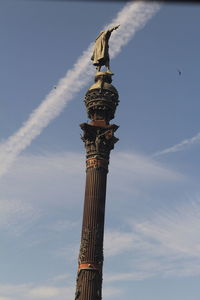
(101, 104)
(102, 98)
(94, 236)
(95, 162)
(99, 141)
(90, 270)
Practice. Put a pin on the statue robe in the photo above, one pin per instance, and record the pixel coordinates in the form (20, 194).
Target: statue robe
(100, 54)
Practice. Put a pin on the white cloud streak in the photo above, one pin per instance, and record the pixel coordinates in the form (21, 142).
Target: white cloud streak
(131, 18)
(142, 167)
(180, 146)
(52, 292)
(31, 291)
(5, 298)
(57, 176)
(167, 244)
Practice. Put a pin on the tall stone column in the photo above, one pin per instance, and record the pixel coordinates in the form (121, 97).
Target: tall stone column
(101, 101)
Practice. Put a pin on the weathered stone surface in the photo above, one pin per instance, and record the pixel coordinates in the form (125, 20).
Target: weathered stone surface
(98, 136)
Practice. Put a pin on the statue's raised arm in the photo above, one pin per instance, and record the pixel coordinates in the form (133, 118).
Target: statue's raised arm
(113, 28)
(100, 56)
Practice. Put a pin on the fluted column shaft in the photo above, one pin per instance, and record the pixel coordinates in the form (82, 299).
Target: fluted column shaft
(89, 280)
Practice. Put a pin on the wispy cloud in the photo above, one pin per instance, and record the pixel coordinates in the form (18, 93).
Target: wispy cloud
(62, 225)
(175, 231)
(46, 292)
(128, 276)
(14, 213)
(71, 250)
(60, 278)
(117, 242)
(51, 292)
(31, 291)
(142, 167)
(165, 245)
(131, 18)
(6, 298)
(185, 144)
(162, 243)
(112, 291)
(57, 175)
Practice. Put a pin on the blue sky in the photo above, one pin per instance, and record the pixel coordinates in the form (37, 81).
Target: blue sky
(153, 202)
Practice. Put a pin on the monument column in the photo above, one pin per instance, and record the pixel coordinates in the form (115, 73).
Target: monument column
(101, 101)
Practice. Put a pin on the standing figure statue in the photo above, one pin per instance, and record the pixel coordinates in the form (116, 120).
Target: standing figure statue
(100, 56)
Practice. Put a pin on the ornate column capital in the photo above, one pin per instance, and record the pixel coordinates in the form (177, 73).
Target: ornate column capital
(99, 141)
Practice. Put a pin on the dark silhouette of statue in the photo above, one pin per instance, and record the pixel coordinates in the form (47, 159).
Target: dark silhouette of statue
(100, 56)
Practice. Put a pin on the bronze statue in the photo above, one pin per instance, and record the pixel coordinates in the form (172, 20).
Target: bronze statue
(100, 56)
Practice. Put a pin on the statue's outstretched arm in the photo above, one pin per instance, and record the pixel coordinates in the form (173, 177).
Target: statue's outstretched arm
(113, 28)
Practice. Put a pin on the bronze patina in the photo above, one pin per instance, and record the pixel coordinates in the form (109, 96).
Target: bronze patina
(100, 56)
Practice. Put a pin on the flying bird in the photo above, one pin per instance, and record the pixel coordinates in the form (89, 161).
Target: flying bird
(179, 72)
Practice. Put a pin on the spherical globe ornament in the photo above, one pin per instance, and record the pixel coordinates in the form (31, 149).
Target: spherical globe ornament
(102, 98)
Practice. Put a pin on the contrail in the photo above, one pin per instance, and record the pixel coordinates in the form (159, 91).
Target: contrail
(180, 146)
(131, 18)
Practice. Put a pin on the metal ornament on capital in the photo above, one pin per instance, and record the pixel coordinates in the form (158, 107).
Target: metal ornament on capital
(101, 101)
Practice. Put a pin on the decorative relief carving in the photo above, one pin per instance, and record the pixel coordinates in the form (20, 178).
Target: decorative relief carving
(99, 141)
(101, 103)
(97, 163)
(91, 236)
(84, 245)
